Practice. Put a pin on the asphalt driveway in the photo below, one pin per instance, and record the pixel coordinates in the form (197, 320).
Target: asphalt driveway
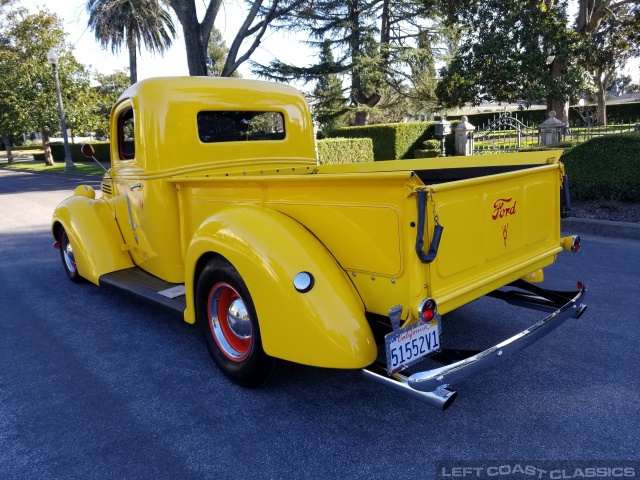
(94, 384)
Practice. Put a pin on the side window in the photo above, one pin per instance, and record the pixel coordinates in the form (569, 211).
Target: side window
(240, 126)
(126, 141)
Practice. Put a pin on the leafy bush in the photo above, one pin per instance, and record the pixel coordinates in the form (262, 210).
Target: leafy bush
(333, 151)
(39, 157)
(605, 168)
(566, 146)
(430, 149)
(393, 140)
(102, 152)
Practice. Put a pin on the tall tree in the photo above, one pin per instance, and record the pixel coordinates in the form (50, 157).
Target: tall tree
(329, 105)
(133, 23)
(9, 125)
(259, 15)
(372, 40)
(28, 101)
(516, 50)
(107, 91)
(613, 43)
(523, 49)
(217, 57)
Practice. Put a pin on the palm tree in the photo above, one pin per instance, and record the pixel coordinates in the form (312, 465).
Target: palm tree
(133, 23)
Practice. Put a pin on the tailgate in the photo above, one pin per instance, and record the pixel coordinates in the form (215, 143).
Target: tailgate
(497, 229)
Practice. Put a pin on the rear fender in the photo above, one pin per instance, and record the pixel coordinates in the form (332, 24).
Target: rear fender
(325, 326)
(94, 236)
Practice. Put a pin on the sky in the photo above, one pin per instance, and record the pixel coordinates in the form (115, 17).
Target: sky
(173, 63)
(288, 48)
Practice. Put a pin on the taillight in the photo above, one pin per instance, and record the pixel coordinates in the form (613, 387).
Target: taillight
(427, 310)
(571, 243)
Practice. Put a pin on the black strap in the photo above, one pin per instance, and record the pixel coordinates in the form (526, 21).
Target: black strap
(437, 232)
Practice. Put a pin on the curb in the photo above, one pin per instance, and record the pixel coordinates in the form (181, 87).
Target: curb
(603, 228)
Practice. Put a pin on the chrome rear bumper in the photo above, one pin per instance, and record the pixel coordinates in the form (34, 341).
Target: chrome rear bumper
(432, 386)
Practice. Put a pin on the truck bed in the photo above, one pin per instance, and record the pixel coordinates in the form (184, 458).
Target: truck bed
(366, 216)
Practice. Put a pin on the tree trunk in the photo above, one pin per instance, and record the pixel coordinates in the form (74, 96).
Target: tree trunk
(355, 40)
(195, 41)
(362, 118)
(7, 144)
(601, 109)
(560, 106)
(48, 158)
(591, 14)
(133, 60)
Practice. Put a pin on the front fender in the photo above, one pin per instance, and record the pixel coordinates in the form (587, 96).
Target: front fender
(324, 327)
(94, 236)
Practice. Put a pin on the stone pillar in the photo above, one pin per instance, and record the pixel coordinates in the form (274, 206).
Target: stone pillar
(551, 130)
(464, 137)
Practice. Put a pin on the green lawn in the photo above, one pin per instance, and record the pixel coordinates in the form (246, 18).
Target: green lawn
(39, 166)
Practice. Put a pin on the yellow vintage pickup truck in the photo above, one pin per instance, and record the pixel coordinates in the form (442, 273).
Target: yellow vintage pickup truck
(215, 206)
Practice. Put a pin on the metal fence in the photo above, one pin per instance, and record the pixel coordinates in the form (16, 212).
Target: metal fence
(506, 133)
(585, 130)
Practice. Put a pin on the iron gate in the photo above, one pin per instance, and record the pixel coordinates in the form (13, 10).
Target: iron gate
(505, 133)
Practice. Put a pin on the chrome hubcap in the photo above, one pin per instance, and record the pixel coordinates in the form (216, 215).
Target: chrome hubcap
(229, 322)
(67, 253)
(239, 319)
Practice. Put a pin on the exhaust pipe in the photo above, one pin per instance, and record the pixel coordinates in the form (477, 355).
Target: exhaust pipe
(441, 398)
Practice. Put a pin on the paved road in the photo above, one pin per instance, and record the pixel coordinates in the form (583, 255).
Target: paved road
(97, 385)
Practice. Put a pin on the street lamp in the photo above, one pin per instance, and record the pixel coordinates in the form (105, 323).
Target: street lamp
(68, 163)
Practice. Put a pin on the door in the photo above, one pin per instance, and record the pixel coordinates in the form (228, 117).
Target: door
(130, 186)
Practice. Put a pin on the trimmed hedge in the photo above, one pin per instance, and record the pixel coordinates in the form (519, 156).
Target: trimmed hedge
(391, 141)
(25, 147)
(102, 151)
(623, 112)
(39, 157)
(430, 149)
(605, 168)
(566, 146)
(332, 151)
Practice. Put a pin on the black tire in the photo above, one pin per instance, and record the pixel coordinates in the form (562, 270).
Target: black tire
(68, 258)
(233, 341)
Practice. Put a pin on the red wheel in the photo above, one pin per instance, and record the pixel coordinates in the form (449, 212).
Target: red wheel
(228, 320)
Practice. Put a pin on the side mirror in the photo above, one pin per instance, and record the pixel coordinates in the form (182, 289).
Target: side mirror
(87, 150)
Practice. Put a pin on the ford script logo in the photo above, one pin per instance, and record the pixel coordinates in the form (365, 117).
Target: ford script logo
(503, 208)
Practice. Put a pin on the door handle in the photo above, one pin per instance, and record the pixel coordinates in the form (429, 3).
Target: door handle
(135, 185)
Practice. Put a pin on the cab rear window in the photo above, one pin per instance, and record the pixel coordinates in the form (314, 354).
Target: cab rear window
(240, 126)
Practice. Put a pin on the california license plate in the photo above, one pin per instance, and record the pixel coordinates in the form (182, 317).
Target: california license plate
(408, 345)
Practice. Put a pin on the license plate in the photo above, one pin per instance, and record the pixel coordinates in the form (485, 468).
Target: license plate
(408, 345)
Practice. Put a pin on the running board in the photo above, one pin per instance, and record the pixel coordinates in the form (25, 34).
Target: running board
(144, 285)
